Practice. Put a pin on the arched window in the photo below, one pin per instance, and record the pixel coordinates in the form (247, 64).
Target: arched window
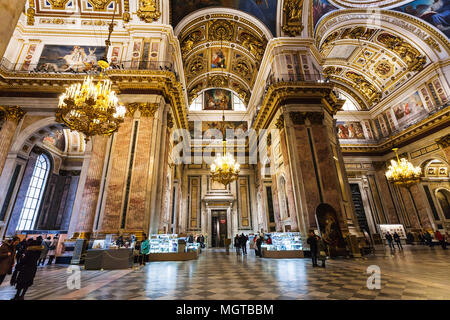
(34, 194)
(443, 197)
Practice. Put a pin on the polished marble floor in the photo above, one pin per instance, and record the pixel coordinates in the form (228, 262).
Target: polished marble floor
(416, 273)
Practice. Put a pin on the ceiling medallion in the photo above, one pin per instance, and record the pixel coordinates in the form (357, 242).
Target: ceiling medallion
(148, 10)
(58, 4)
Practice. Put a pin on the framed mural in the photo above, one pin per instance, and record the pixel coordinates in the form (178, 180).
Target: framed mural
(350, 130)
(56, 58)
(321, 8)
(265, 11)
(55, 139)
(410, 109)
(218, 99)
(215, 125)
(435, 12)
(219, 58)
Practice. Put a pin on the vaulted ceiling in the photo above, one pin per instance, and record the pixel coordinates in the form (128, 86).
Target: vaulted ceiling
(221, 50)
(369, 63)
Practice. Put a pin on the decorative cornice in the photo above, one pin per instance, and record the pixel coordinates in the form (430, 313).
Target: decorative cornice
(296, 92)
(299, 118)
(444, 142)
(13, 113)
(147, 110)
(280, 123)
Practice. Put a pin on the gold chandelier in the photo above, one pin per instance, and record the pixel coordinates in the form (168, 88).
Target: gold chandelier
(92, 108)
(224, 168)
(402, 172)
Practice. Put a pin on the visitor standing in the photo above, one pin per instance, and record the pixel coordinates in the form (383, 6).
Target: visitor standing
(398, 240)
(389, 239)
(428, 239)
(145, 250)
(7, 252)
(439, 237)
(52, 250)
(322, 248)
(259, 242)
(25, 271)
(237, 244)
(252, 245)
(313, 246)
(44, 251)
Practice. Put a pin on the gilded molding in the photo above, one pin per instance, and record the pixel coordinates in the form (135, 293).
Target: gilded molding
(299, 118)
(149, 10)
(292, 17)
(31, 12)
(58, 4)
(279, 124)
(100, 5)
(126, 11)
(147, 110)
(169, 120)
(12, 113)
(443, 142)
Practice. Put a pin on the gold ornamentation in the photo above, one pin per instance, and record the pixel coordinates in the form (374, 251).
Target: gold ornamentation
(292, 17)
(299, 118)
(149, 10)
(13, 113)
(383, 69)
(146, 109)
(169, 120)
(220, 30)
(280, 123)
(433, 43)
(410, 55)
(243, 67)
(224, 168)
(218, 81)
(58, 4)
(190, 40)
(364, 86)
(195, 66)
(100, 5)
(31, 12)
(126, 11)
(253, 44)
(443, 142)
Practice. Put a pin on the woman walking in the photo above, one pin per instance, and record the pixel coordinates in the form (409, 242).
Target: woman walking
(25, 271)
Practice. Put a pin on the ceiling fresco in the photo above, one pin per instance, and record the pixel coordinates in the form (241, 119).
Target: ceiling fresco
(221, 53)
(264, 10)
(371, 62)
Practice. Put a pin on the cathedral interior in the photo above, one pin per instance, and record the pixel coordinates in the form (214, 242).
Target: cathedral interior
(328, 88)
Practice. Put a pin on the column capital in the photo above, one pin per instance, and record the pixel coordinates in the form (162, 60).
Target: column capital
(147, 109)
(12, 113)
(444, 141)
(299, 117)
(280, 123)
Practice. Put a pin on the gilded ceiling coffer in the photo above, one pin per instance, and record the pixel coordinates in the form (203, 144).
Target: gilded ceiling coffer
(149, 10)
(292, 17)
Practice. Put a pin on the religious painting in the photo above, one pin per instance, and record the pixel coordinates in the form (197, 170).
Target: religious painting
(435, 12)
(263, 10)
(196, 126)
(55, 139)
(328, 224)
(350, 130)
(408, 110)
(218, 58)
(321, 8)
(218, 99)
(56, 58)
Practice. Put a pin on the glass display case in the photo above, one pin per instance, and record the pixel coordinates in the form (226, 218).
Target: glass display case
(283, 241)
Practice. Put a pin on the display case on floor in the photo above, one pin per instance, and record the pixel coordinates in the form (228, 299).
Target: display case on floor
(284, 245)
(170, 247)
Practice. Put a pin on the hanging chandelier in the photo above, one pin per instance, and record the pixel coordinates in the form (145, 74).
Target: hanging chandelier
(89, 107)
(224, 168)
(402, 172)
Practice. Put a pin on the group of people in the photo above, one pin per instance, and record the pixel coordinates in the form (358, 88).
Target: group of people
(391, 238)
(257, 242)
(200, 239)
(20, 259)
(425, 238)
(240, 243)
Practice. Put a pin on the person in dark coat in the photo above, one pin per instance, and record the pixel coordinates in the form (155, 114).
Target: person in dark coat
(7, 252)
(390, 240)
(243, 241)
(428, 238)
(259, 242)
(398, 240)
(313, 246)
(20, 250)
(25, 271)
(237, 244)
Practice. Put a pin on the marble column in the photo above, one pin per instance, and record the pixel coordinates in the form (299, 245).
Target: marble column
(9, 117)
(9, 15)
(91, 190)
(444, 143)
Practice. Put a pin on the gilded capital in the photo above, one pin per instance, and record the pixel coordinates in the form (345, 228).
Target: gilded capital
(444, 141)
(13, 113)
(313, 117)
(280, 123)
(146, 109)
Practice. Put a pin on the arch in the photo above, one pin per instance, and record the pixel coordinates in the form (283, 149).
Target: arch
(443, 198)
(425, 164)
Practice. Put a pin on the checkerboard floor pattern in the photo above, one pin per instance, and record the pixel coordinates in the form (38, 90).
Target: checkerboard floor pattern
(415, 273)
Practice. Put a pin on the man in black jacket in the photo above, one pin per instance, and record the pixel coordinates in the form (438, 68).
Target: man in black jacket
(312, 241)
(243, 242)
